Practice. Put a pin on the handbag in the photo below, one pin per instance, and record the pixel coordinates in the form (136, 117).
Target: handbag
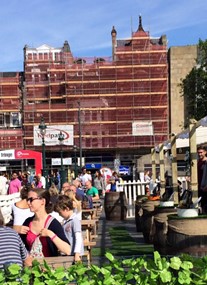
(36, 249)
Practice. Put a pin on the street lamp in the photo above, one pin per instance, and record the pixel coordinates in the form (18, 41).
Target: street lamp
(61, 139)
(80, 133)
(75, 150)
(42, 128)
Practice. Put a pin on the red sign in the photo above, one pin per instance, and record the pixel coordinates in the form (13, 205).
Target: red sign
(30, 154)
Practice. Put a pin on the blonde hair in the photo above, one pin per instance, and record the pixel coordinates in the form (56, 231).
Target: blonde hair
(73, 197)
(53, 190)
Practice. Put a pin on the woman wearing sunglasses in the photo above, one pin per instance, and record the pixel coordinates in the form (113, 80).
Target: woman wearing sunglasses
(42, 225)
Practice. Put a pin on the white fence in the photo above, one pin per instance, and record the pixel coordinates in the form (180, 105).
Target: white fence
(6, 202)
(132, 189)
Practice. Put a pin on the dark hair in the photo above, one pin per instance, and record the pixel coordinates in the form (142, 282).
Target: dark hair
(24, 192)
(1, 219)
(44, 194)
(63, 202)
(99, 174)
(201, 147)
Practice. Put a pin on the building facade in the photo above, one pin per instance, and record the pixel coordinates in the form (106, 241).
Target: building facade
(11, 131)
(106, 99)
(118, 106)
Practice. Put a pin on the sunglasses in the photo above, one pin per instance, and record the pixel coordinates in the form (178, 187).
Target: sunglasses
(32, 199)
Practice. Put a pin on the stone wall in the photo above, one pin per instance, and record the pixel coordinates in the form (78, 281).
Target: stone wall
(181, 61)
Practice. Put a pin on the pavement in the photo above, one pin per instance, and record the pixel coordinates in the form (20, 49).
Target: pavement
(103, 240)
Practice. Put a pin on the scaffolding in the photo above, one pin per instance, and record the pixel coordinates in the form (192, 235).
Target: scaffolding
(10, 111)
(131, 86)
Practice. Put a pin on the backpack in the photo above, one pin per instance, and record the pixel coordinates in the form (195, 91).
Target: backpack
(36, 249)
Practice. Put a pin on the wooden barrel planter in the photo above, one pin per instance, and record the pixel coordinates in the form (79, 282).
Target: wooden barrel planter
(139, 213)
(115, 206)
(187, 235)
(161, 228)
(148, 208)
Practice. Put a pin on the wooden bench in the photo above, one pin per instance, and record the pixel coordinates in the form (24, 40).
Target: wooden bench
(89, 234)
(89, 214)
(58, 261)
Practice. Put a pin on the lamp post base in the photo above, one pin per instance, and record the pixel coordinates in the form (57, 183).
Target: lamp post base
(62, 176)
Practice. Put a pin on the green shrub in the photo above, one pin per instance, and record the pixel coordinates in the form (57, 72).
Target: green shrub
(144, 271)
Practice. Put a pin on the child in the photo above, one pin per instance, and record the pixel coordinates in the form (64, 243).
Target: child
(77, 209)
(71, 226)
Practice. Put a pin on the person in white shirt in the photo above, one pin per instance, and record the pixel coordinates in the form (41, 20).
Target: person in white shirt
(3, 184)
(21, 212)
(85, 176)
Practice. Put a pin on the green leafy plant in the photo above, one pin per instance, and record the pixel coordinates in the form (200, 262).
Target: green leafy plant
(158, 270)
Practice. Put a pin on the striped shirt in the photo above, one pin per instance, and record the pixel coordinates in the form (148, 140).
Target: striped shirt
(12, 249)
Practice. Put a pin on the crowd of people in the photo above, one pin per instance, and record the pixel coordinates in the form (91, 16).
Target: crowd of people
(13, 184)
(47, 222)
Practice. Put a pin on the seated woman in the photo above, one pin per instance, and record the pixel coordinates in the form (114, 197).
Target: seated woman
(21, 211)
(52, 236)
(12, 248)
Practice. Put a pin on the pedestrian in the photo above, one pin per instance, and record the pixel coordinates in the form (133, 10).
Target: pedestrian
(24, 181)
(84, 177)
(21, 211)
(37, 182)
(112, 180)
(202, 177)
(42, 179)
(147, 180)
(99, 183)
(15, 184)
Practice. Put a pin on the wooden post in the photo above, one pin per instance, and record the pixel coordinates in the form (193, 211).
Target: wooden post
(193, 159)
(153, 153)
(174, 168)
(162, 170)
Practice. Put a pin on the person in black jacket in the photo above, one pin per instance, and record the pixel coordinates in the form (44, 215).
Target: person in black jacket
(51, 236)
(202, 177)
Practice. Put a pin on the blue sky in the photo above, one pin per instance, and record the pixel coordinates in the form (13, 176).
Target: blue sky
(87, 24)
